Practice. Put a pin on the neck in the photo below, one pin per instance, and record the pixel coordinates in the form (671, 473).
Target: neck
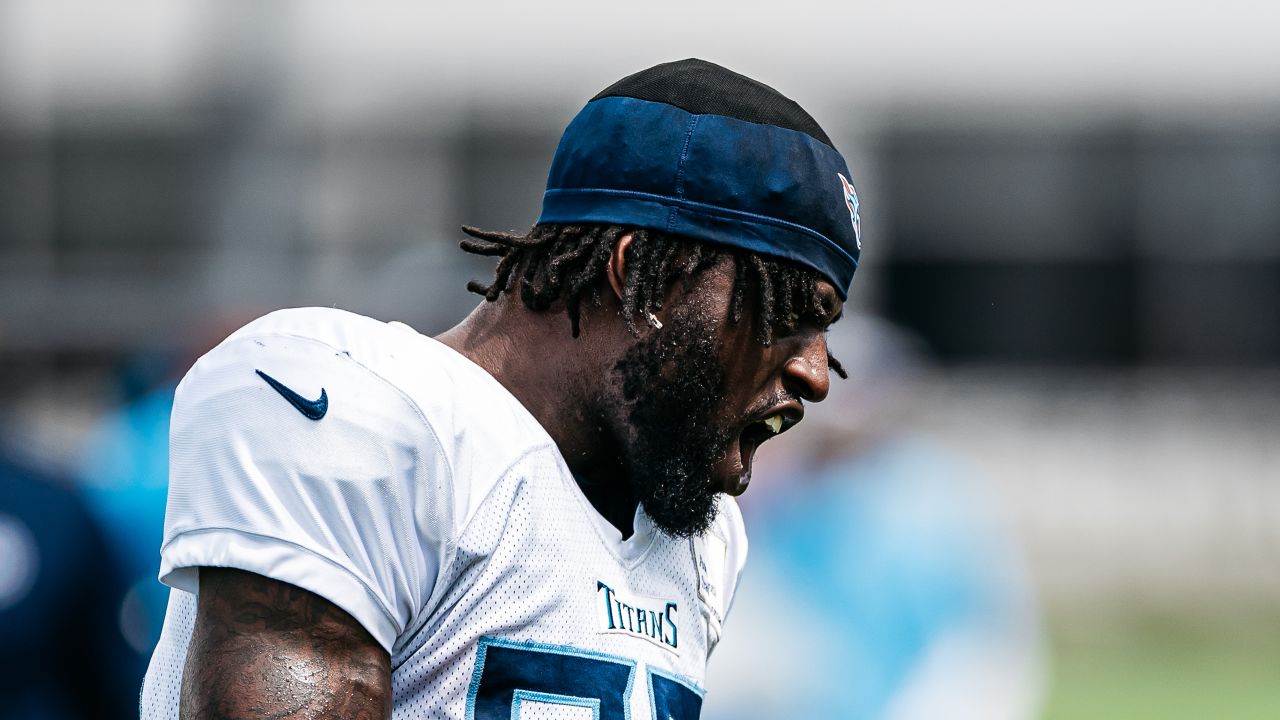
(553, 375)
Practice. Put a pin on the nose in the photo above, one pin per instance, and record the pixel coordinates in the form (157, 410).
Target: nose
(805, 372)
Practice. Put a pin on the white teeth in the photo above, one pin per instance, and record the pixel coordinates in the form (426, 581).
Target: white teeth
(775, 424)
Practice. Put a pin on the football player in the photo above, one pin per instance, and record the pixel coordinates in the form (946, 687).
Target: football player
(529, 515)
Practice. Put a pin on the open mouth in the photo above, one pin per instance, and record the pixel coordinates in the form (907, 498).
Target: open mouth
(778, 421)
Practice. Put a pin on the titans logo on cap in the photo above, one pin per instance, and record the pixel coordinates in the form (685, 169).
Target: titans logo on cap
(851, 199)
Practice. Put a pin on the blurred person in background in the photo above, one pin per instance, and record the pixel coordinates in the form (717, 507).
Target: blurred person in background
(123, 476)
(902, 596)
(62, 653)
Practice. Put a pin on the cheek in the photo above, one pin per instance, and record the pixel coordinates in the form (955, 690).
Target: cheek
(748, 364)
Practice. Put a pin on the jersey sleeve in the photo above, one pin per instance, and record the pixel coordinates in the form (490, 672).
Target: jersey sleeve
(291, 460)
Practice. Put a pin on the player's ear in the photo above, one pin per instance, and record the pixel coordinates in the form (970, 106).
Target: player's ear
(616, 270)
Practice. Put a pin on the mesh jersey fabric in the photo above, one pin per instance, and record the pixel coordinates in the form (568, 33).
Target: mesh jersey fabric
(431, 506)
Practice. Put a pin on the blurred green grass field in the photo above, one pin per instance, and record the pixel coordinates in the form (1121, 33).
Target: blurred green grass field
(1166, 668)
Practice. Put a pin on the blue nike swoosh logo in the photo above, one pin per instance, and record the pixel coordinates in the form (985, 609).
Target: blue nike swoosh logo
(314, 409)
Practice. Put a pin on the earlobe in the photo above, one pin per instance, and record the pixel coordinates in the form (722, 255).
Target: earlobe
(617, 273)
(617, 269)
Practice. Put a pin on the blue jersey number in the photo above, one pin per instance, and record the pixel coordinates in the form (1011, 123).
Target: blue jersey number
(672, 699)
(509, 674)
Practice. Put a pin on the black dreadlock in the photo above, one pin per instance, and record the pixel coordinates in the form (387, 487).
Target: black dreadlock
(564, 262)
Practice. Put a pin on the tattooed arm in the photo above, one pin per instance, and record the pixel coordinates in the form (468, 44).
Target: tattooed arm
(266, 649)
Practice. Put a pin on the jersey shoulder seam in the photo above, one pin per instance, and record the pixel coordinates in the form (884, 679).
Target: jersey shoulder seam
(502, 476)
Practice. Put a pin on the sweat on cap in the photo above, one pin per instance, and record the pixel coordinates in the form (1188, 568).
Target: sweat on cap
(691, 148)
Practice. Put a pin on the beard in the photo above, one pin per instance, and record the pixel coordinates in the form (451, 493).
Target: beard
(673, 381)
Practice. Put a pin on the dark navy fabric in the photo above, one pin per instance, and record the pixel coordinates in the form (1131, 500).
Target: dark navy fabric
(549, 675)
(62, 654)
(673, 700)
(718, 179)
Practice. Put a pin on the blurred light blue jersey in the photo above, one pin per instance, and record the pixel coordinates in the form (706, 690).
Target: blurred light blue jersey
(124, 474)
(860, 574)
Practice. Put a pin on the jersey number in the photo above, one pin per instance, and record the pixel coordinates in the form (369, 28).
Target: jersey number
(509, 674)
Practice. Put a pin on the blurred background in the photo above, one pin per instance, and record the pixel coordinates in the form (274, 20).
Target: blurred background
(1051, 488)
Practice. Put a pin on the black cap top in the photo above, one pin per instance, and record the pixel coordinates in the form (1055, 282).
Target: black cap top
(704, 88)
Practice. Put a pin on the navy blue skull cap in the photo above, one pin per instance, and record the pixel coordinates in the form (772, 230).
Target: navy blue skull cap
(691, 148)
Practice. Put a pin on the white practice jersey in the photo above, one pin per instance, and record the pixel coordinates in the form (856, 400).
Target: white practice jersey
(382, 470)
